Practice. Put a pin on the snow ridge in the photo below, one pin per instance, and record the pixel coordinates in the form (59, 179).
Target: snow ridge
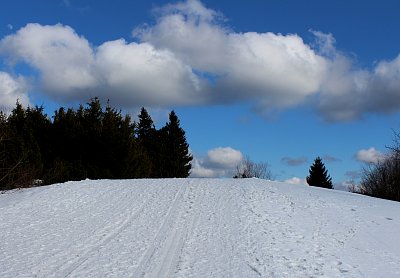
(196, 228)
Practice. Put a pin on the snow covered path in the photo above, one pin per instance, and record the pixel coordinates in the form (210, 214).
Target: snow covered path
(196, 228)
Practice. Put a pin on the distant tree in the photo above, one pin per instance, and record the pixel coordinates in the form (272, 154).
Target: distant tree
(89, 142)
(135, 162)
(318, 175)
(145, 127)
(250, 169)
(174, 150)
(68, 142)
(8, 167)
(92, 141)
(382, 179)
(148, 144)
(24, 133)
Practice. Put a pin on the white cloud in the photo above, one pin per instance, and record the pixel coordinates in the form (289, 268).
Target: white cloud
(219, 162)
(71, 69)
(62, 57)
(11, 90)
(190, 57)
(343, 186)
(244, 65)
(348, 92)
(139, 73)
(200, 171)
(297, 181)
(370, 155)
(224, 157)
(273, 70)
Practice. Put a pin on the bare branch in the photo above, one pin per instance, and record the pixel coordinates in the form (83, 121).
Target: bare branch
(250, 169)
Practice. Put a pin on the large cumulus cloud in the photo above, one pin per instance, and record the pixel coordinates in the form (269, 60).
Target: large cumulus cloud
(70, 68)
(272, 69)
(189, 56)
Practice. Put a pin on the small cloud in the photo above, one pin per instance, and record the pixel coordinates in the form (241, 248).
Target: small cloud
(290, 161)
(67, 3)
(330, 158)
(353, 175)
(9, 26)
(12, 89)
(370, 155)
(296, 180)
(219, 162)
(343, 186)
(199, 171)
(224, 157)
(325, 43)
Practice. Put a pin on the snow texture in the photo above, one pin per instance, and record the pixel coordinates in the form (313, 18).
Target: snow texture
(196, 228)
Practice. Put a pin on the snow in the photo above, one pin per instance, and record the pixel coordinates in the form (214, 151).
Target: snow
(196, 228)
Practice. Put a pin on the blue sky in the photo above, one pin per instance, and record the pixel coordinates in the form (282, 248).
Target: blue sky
(279, 81)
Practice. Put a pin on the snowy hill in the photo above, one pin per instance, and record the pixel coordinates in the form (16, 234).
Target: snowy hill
(196, 228)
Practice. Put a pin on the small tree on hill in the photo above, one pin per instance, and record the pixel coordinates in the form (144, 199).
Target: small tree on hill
(382, 179)
(250, 169)
(319, 175)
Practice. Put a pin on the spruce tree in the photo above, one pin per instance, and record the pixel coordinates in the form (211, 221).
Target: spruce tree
(148, 145)
(319, 175)
(176, 158)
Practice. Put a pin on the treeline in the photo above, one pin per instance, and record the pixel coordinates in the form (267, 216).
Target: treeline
(92, 142)
(382, 179)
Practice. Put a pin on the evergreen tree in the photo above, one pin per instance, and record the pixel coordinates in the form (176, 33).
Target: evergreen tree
(88, 143)
(145, 127)
(26, 133)
(93, 118)
(176, 157)
(319, 175)
(135, 164)
(68, 135)
(148, 145)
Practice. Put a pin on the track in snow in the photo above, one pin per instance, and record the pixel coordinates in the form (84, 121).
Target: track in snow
(196, 228)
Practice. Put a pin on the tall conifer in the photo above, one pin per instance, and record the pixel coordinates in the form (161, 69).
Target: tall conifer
(177, 162)
(319, 175)
(147, 141)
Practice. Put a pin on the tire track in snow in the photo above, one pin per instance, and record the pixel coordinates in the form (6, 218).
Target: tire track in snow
(172, 252)
(215, 243)
(161, 234)
(102, 237)
(58, 258)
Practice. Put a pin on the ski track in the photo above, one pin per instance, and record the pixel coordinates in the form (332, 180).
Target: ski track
(196, 228)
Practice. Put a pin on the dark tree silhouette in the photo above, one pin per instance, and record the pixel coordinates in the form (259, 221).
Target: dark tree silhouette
(319, 175)
(89, 142)
(148, 144)
(176, 159)
(382, 179)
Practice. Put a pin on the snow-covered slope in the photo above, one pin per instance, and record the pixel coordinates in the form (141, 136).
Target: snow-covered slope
(196, 228)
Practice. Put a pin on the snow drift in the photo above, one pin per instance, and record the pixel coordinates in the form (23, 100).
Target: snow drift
(196, 228)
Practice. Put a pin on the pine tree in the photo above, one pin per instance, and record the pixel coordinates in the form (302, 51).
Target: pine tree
(176, 159)
(145, 127)
(319, 175)
(93, 118)
(148, 145)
